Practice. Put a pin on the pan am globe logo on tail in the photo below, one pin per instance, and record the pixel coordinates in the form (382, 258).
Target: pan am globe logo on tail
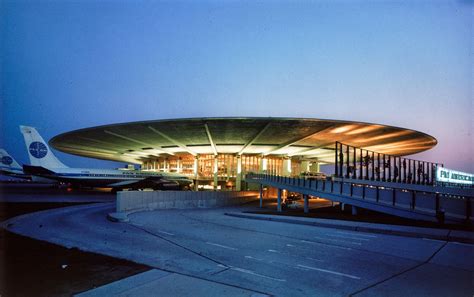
(7, 160)
(38, 149)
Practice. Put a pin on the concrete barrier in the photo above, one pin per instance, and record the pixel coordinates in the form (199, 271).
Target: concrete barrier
(370, 194)
(404, 199)
(346, 189)
(136, 200)
(426, 202)
(386, 196)
(357, 191)
(454, 208)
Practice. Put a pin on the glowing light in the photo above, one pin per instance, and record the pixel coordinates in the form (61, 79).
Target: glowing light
(239, 165)
(383, 136)
(264, 164)
(364, 130)
(343, 129)
(288, 165)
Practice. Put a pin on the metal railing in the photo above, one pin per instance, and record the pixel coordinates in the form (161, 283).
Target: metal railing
(358, 163)
(396, 199)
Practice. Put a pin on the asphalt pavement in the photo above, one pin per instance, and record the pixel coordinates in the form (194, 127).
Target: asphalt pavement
(206, 248)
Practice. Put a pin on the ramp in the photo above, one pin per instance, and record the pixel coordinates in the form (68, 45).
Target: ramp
(421, 202)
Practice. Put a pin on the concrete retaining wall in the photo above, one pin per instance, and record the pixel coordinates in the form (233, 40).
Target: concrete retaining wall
(386, 196)
(404, 199)
(134, 200)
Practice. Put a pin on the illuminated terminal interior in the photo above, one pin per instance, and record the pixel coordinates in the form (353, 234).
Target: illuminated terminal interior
(217, 152)
(226, 167)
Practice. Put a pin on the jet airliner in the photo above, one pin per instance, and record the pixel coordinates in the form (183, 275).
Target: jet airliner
(9, 166)
(45, 164)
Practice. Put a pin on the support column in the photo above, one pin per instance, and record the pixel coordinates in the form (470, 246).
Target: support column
(342, 206)
(229, 165)
(354, 163)
(306, 203)
(279, 201)
(261, 195)
(304, 167)
(216, 170)
(195, 168)
(354, 210)
(263, 165)
(315, 167)
(238, 180)
(286, 170)
(179, 165)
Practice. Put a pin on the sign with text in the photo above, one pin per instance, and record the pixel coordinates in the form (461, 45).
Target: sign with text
(445, 175)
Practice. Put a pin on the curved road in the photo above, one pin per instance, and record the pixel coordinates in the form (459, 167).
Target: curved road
(262, 256)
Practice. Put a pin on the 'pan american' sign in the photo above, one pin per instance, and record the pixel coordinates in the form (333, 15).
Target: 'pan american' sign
(445, 175)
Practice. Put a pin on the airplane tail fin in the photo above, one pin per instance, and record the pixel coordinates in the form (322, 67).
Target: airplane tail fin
(8, 161)
(38, 150)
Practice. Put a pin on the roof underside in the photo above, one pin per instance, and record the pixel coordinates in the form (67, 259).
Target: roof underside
(306, 138)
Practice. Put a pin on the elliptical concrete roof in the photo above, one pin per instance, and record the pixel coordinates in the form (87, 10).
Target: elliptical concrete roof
(306, 138)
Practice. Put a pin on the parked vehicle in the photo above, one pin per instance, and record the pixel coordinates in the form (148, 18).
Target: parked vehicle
(291, 200)
(314, 175)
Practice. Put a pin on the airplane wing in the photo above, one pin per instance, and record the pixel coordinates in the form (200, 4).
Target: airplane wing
(153, 182)
(37, 170)
(157, 183)
(14, 174)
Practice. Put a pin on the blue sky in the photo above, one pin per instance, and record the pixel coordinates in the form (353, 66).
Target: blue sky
(72, 64)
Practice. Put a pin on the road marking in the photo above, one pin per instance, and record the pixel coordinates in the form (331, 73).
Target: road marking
(357, 234)
(338, 240)
(329, 271)
(464, 244)
(336, 246)
(250, 257)
(435, 240)
(256, 274)
(273, 251)
(222, 246)
(348, 237)
(314, 259)
(167, 233)
(304, 269)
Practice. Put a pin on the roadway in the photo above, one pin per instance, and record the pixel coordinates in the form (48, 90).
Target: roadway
(262, 256)
(47, 193)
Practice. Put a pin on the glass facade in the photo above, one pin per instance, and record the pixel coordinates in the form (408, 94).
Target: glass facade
(226, 165)
(203, 167)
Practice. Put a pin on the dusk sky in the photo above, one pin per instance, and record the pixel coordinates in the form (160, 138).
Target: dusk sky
(67, 65)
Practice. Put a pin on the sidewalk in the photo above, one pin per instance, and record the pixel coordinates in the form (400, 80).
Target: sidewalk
(157, 282)
(421, 232)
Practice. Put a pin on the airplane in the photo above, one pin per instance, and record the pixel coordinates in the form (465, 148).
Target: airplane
(45, 164)
(9, 166)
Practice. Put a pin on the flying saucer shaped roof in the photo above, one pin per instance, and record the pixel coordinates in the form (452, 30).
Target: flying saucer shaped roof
(307, 138)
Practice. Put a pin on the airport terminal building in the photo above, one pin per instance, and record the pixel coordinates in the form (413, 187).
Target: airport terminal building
(217, 152)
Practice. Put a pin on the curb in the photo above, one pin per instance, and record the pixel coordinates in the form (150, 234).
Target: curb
(122, 216)
(407, 233)
(118, 217)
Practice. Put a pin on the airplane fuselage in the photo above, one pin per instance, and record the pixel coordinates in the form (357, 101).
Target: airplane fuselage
(13, 172)
(108, 177)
